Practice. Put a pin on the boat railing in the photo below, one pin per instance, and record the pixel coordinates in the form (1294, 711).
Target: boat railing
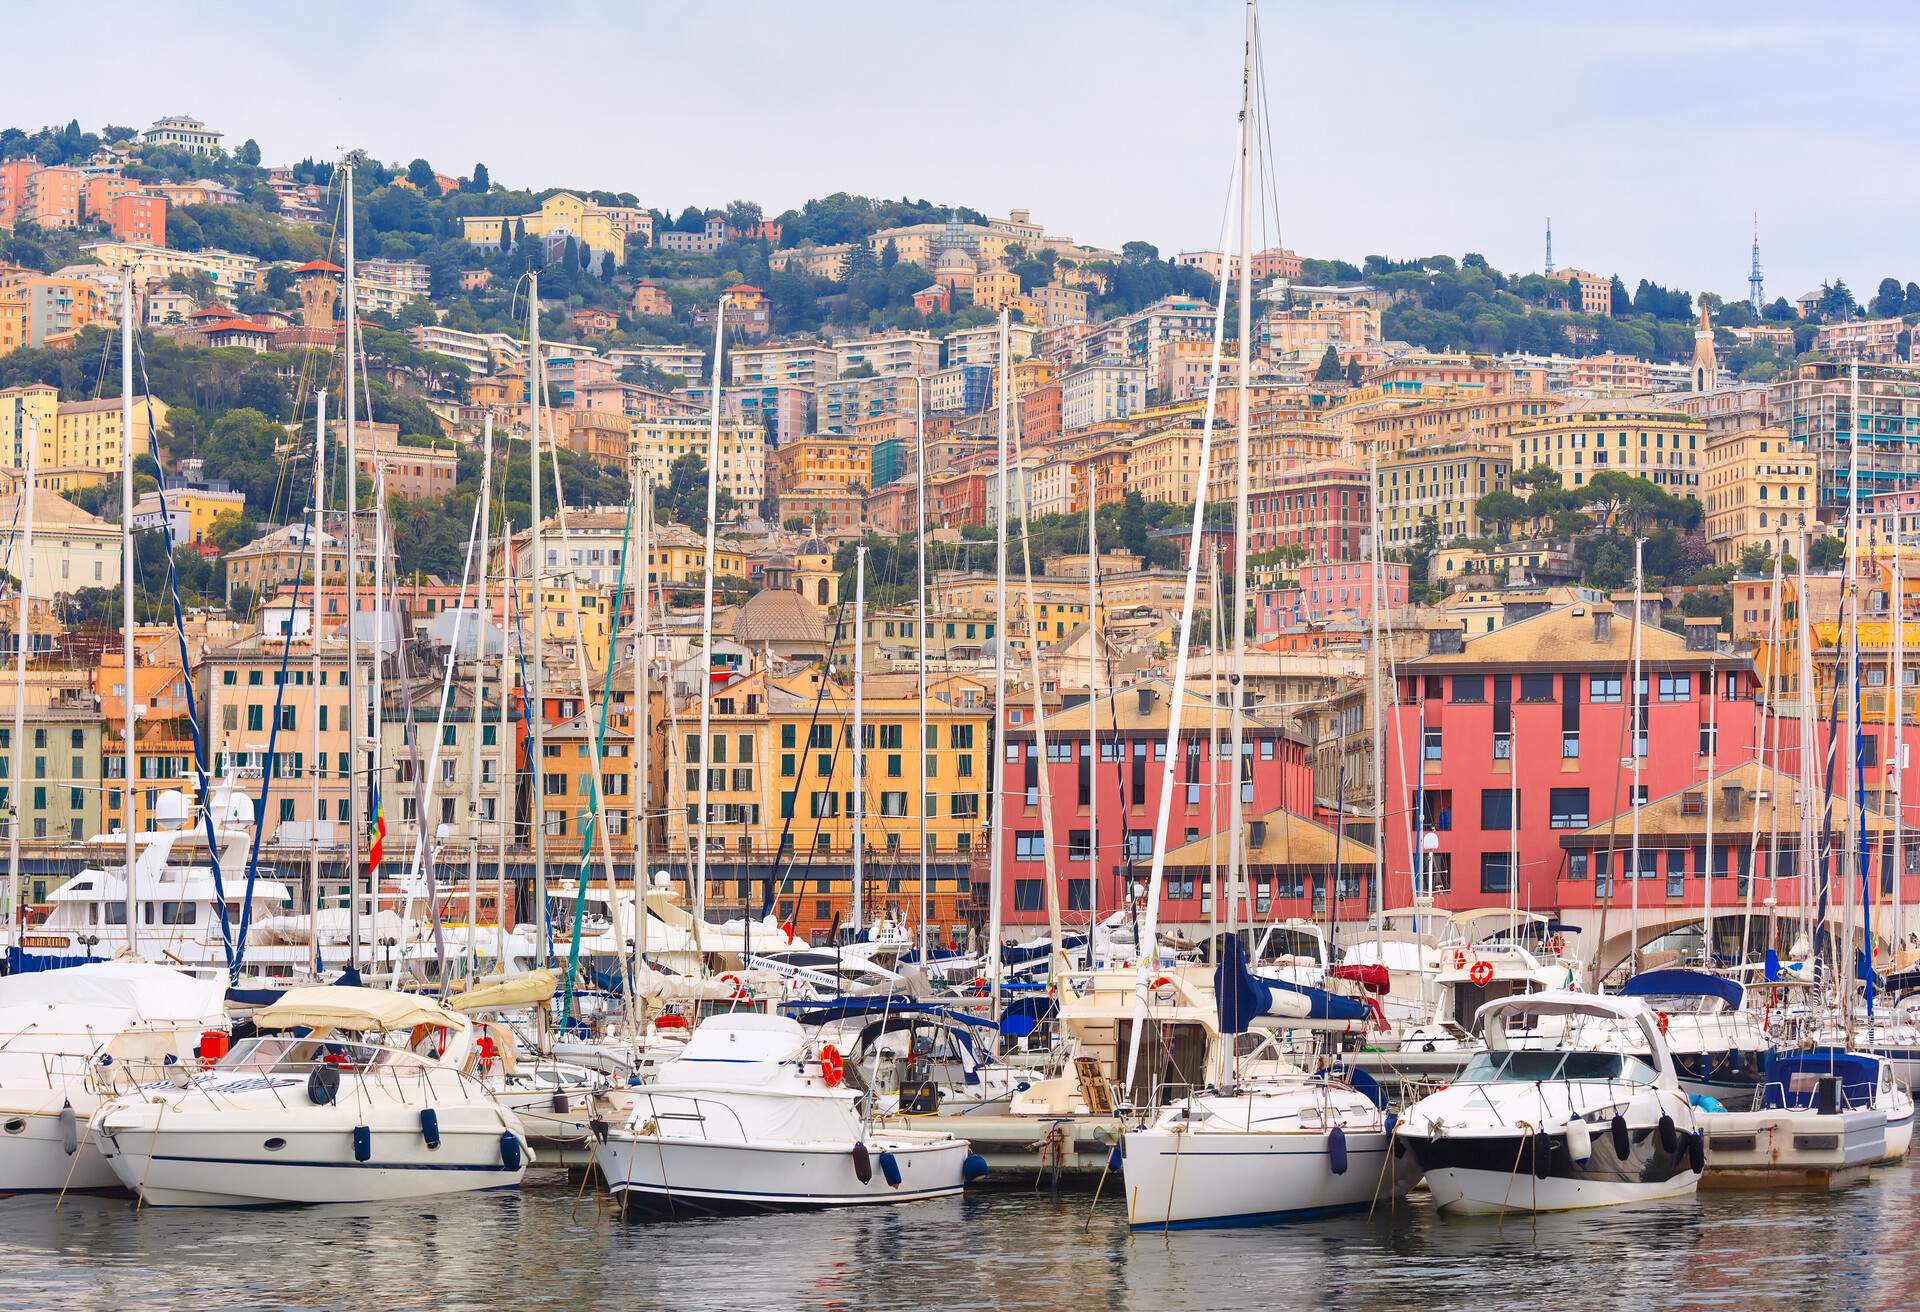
(657, 1118)
(289, 1081)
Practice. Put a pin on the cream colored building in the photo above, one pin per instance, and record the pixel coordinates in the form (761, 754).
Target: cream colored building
(231, 274)
(603, 229)
(742, 465)
(71, 549)
(1441, 482)
(1165, 466)
(1759, 488)
(1642, 438)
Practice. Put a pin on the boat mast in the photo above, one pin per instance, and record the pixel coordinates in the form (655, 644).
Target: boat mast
(859, 740)
(920, 622)
(1846, 977)
(377, 757)
(313, 673)
(1769, 710)
(706, 617)
(503, 799)
(1809, 841)
(22, 573)
(1898, 751)
(1094, 644)
(128, 709)
(1637, 709)
(1241, 765)
(1713, 750)
(1377, 695)
(355, 726)
(475, 724)
(537, 710)
(642, 732)
(996, 766)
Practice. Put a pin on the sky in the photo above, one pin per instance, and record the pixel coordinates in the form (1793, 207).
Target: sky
(1650, 134)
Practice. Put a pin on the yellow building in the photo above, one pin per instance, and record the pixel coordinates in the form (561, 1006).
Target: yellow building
(994, 288)
(823, 460)
(601, 228)
(678, 555)
(89, 432)
(1759, 489)
(36, 406)
(201, 507)
(780, 770)
(1634, 436)
(1442, 483)
(569, 613)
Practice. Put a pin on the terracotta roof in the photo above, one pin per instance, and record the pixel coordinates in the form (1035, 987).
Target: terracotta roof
(318, 266)
(235, 326)
(1663, 818)
(50, 510)
(1564, 637)
(776, 615)
(1286, 839)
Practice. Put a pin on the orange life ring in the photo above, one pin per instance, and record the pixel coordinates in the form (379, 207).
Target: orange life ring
(741, 993)
(1662, 1018)
(1557, 945)
(833, 1068)
(1459, 959)
(1482, 973)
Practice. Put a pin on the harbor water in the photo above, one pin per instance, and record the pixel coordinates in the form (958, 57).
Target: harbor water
(1003, 1246)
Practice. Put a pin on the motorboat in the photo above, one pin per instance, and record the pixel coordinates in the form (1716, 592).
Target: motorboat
(1577, 1124)
(73, 1036)
(1719, 1046)
(349, 1095)
(1819, 1118)
(757, 1116)
(1273, 1146)
(1403, 944)
(1473, 974)
(917, 1058)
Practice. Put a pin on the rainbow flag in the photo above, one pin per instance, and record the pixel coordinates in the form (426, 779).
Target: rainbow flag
(374, 848)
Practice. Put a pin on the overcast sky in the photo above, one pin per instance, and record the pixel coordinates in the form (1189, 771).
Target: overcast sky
(1651, 133)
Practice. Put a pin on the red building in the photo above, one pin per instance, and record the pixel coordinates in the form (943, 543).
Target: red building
(957, 499)
(1040, 415)
(1547, 698)
(1321, 509)
(1132, 726)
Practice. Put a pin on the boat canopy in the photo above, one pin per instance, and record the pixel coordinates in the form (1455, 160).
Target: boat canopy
(340, 1007)
(882, 1006)
(147, 992)
(1680, 982)
(1792, 1077)
(513, 991)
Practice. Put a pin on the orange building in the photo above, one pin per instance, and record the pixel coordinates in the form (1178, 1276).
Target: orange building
(138, 218)
(823, 460)
(650, 301)
(1040, 414)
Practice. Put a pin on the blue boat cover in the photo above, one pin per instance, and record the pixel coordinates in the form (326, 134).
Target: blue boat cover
(1237, 995)
(1680, 982)
(814, 1013)
(1323, 1005)
(1859, 1076)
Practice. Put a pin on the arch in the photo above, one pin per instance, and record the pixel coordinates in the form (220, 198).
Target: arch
(820, 594)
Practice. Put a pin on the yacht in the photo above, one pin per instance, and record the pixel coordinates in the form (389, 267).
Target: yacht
(1578, 1124)
(71, 1037)
(917, 1058)
(1820, 1119)
(1719, 1046)
(758, 1117)
(368, 1101)
(1263, 1140)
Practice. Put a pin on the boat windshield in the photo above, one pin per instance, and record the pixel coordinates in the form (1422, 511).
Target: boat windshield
(291, 1056)
(1521, 1066)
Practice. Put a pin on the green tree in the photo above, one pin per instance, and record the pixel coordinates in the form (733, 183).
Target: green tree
(1330, 370)
(683, 498)
(249, 152)
(1826, 553)
(1621, 304)
(420, 174)
(1501, 510)
(481, 182)
(1890, 300)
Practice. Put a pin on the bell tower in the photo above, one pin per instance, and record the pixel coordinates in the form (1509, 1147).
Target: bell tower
(1706, 361)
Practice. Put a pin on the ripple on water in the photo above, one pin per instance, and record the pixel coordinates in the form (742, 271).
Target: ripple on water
(997, 1248)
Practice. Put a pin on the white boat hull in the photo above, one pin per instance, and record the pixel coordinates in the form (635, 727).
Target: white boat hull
(201, 1160)
(681, 1177)
(1490, 1193)
(34, 1157)
(1784, 1147)
(1220, 1179)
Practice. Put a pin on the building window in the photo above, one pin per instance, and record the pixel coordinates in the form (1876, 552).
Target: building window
(1604, 688)
(1027, 895)
(1469, 688)
(1536, 687)
(1029, 845)
(1430, 745)
(1496, 872)
(1496, 808)
(1568, 808)
(1079, 845)
(1675, 687)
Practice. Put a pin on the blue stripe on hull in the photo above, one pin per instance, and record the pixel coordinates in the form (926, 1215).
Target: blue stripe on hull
(1252, 1218)
(337, 1166)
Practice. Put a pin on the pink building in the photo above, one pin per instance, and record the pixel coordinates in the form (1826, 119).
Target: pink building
(1323, 591)
(1132, 727)
(1321, 509)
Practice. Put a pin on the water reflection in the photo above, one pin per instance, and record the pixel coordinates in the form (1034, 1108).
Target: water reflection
(1005, 1248)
